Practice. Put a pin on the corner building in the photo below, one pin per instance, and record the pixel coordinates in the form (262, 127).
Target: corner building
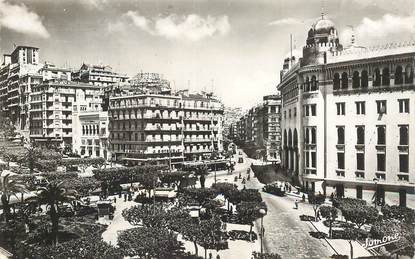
(348, 118)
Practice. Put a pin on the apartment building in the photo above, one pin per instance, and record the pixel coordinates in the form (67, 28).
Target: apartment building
(165, 128)
(100, 75)
(259, 129)
(52, 105)
(348, 117)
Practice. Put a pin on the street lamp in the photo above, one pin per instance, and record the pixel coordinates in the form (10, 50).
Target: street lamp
(375, 180)
(263, 212)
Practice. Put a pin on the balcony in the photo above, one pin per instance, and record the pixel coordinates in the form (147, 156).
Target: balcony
(381, 147)
(403, 148)
(188, 140)
(381, 176)
(360, 174)
(360, 147)
(340, 173)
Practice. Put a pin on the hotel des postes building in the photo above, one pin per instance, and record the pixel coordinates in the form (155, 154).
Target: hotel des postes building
(348, 117)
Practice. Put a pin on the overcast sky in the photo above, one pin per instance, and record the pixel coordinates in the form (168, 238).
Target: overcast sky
(236, 46)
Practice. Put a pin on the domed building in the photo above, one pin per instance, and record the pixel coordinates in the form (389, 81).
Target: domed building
(322, 37)
(347, 118)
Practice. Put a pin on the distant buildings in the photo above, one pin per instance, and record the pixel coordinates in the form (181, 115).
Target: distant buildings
(96, 112)
(348, 117)
(258, 131)
(231, 116)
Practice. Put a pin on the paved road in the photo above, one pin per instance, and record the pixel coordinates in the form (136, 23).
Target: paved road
(286, 235)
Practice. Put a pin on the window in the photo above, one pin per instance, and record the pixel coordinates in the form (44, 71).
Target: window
(356, 80)
(313, 135)
(341, 108)
(381, 107)
(313, 83)
(340, 160)
(409, 77)
(364, 79)
(381, 162)
(340, 135)
(385, 77)
(336, 81)
(345, 80)
(295, 112)
(403, 163)
(376, 77)
(398, 75)
(307, 85)
(360, 135)
(313, 109)
(359, 192)
(360, 108)
(381, 130)
(360, 161)
(403, 135)
(306, 111)
(285, 114)
(313, 159)
(403, 105)
(289, 113)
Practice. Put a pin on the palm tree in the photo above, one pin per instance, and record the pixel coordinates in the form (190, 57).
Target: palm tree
(52, 195)
(9, 186)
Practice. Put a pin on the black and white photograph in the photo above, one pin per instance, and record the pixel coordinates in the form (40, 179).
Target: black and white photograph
(207, 129)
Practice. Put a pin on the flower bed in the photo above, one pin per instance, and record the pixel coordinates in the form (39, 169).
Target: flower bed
(242, 235)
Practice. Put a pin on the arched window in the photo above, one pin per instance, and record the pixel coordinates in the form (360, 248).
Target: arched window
(345, 80)
(381, 135)
(356, 79)
(360, 135)
(409, 76)
(313, 83)
(307, 84)
(285, 138)
(83, 130)
(385, 77)
(398, 76)
(313, 136)
(364, 79)
(376, 77)
(403, 135)
(336, 81)
(295, 138)
(340, 135)
(290, 138)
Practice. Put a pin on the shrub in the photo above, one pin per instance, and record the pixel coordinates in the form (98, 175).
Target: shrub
(400, 213)
(349, 233)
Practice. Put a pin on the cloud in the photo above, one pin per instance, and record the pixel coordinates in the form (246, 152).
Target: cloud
(98, 4)
(20, 19)
(286, 21)
(387, 27)
(190, 27)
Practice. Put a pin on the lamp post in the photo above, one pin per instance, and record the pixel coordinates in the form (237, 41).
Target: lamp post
(375, 180)
(261, 234)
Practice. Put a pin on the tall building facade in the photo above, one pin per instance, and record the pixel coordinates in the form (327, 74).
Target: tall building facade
(52, 105)
(259, 129)
(164, 128)
(347, 117)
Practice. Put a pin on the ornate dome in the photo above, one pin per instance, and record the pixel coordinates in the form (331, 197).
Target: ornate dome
(323, 26)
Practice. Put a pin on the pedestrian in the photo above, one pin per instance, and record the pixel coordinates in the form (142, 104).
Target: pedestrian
(218, 256)
(115, 199)
(303, 197)
(210, 255)
(296, 204)
(125, 197)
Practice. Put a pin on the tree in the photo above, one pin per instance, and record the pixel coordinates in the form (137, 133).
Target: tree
(150, 242)
(248, 212)
(10, 185)
(360, 215)
(51, 195)
(316, 201)
(403, 214)
(202, 171)
(330, 214)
